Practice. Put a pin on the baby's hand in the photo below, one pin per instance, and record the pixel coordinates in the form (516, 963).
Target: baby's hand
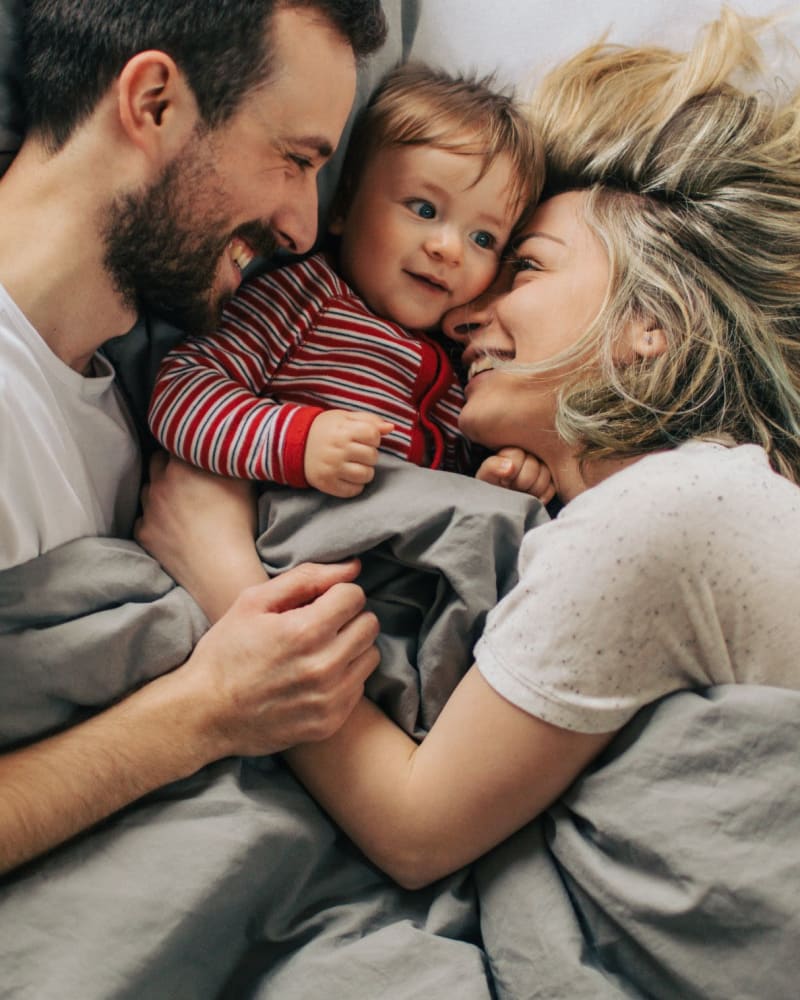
(517, 470)
(342, 451)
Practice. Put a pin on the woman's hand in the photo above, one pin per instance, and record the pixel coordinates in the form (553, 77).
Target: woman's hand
(201, 528)
(515, 469)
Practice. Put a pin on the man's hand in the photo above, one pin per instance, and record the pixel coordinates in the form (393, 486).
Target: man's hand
(515, 469)
(286, 664)
(342, 451)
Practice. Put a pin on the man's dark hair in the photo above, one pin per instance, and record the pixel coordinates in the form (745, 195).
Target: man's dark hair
(75, 49)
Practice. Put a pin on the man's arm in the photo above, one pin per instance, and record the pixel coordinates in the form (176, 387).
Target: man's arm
(287, 663)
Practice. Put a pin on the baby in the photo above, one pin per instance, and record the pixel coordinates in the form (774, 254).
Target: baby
(320, 363)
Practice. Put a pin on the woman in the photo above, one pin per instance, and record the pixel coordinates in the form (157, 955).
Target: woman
(646, 347)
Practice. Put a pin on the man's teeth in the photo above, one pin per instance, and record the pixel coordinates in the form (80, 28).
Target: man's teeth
(241, 254)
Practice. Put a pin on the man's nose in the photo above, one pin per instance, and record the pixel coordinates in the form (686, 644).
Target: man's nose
(295, 223)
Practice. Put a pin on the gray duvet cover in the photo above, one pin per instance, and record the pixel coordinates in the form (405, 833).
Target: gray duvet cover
(669, 870)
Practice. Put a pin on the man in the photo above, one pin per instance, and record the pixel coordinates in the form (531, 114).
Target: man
(167, 144)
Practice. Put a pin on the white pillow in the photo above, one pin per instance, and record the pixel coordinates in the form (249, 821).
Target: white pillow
(521, 39)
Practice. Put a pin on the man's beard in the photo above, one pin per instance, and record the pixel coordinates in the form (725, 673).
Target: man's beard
(163, 246)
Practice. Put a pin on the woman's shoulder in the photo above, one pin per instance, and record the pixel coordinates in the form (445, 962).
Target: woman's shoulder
(692, 479)
(673, 505)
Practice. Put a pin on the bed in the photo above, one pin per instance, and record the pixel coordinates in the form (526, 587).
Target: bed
(669, 870)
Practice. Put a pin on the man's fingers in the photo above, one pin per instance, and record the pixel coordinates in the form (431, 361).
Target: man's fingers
(304, 584)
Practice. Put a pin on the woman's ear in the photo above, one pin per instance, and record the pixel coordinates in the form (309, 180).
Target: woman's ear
(651, 342)
(642, 339)
(157, 109)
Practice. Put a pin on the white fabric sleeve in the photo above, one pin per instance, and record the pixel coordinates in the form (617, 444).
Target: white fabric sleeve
(640, 588)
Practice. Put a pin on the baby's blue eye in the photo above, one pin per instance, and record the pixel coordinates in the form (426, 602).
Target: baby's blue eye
(424, 209)
(483, 239)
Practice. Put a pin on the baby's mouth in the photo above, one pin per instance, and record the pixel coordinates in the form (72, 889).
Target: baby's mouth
(431, 280)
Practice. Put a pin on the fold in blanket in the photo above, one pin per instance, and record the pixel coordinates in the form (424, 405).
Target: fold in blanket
(670, 869)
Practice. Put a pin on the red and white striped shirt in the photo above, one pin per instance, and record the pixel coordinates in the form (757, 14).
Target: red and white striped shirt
(292, 343)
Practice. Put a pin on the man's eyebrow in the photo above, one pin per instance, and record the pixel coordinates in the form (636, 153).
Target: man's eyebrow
(318, 144)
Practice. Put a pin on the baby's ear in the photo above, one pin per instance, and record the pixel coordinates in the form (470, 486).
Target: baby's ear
(336, 224)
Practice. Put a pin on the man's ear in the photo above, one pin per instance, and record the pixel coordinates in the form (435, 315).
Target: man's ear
(642, 338)
(157, 109)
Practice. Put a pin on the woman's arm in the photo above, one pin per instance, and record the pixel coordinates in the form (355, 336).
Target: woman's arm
(420, 812)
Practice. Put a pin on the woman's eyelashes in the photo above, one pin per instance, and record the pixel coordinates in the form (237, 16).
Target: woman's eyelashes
(519, 264)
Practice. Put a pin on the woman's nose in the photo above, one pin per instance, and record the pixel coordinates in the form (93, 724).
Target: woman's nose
(463, 321)
(460, 323)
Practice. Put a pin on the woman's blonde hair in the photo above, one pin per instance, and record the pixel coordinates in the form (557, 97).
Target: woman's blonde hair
(418, 105)
(693, 186)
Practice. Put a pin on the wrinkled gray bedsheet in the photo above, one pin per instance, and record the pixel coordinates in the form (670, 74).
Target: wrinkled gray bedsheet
(671, 870)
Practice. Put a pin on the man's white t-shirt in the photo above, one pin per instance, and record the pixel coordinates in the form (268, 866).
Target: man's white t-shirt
(681, 571)
(69, 458)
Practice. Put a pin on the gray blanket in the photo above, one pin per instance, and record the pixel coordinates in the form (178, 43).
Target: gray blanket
(670, 870)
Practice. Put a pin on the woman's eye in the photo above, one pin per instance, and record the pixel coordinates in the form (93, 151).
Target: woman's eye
(483, 239)
(520, 264)
(424, 209)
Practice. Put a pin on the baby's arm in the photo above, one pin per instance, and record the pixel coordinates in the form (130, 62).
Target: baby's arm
(210, 405)
(206, 409)
(516, 469)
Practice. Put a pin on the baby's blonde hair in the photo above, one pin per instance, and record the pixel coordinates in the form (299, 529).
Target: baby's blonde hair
(693, 186)
(417, 105)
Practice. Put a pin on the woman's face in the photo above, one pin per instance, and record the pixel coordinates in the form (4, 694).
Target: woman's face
(544, 301)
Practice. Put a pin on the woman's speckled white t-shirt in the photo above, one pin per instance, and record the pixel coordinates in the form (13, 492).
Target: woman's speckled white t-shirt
(681, 571)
